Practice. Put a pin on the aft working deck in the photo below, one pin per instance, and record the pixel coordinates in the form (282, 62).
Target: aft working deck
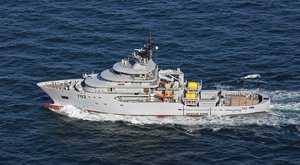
(241, 100)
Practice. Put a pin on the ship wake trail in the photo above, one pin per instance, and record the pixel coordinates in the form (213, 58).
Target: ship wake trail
(285, 110)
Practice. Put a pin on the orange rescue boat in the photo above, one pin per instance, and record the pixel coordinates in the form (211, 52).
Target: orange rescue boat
(168, 95)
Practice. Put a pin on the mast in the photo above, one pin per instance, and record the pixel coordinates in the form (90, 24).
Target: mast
(144, 55)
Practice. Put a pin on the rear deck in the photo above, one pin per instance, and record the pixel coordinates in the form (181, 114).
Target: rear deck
(241, 100)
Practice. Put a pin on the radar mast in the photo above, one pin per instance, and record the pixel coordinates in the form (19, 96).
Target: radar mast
(144, 55)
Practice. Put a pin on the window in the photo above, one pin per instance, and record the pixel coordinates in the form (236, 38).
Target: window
(65, 97)
(146, 90)
(83, 84)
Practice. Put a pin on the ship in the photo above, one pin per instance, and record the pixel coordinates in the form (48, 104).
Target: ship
(136, 86)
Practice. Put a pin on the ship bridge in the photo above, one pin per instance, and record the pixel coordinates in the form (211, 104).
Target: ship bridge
(124, 71)
(141, 69)
(127, 68)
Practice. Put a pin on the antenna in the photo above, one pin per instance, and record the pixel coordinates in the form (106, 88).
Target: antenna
(149, 33)
(150, 30)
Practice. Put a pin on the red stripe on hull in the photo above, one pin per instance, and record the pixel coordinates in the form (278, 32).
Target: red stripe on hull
(52, 106)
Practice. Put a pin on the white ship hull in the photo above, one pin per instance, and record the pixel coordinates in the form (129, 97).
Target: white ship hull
(136, 86)
(108, 103)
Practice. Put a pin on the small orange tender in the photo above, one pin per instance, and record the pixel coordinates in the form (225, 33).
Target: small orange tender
(168, 95)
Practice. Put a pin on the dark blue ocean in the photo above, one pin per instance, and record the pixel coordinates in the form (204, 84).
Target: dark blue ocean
(215, 41)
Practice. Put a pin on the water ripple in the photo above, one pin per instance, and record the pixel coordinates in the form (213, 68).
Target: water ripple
(216, 41)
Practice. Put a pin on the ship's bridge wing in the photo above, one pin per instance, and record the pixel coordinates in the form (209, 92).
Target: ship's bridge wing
(137, 68)
(110, 75)
(112, 80)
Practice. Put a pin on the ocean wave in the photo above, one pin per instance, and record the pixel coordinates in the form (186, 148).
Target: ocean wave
(292, 106)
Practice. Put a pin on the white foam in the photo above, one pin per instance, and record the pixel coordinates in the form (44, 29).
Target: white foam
(271, 119)
(291, 106)
(283, 100)
(251, 76)
(282, 112)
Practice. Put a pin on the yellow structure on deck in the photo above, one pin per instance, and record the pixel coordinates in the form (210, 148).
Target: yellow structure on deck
(192, 85)
(190, 95)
